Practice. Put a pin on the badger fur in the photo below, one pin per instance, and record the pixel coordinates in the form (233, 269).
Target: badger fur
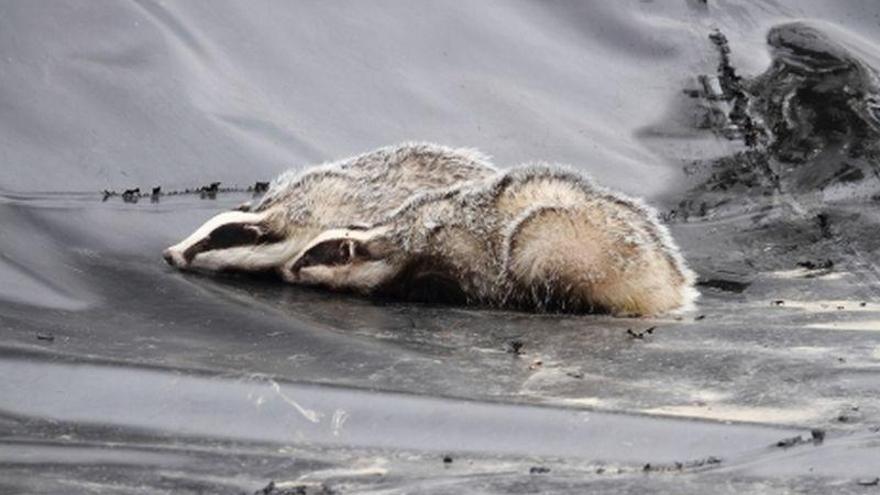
(299, 205)
(536, 237)
(426, 222)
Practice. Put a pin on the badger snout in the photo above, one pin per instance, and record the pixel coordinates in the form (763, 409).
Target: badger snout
(173, 258)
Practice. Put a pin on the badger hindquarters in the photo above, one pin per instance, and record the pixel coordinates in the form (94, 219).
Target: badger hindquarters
(571, 259)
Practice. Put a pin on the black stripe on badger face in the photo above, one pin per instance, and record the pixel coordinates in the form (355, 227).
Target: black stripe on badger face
(334, 252)
(232, 235)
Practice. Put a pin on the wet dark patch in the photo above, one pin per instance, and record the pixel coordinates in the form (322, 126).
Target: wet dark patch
(681, 465)
(641, 334)
(724, 285)
(809, 122)
(816, 265)
(514, 347)
(816, 93)
(847, 173)
(734, 92)
(790, 442)
(425, 279)
(295, 489)
(824, 223)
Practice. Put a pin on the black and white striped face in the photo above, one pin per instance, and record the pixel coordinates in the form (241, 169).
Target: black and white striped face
(345, 259)
(237, 241)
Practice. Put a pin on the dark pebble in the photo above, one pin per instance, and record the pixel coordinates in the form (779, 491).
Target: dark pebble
(515, 347)
(868, 481)
(789, 442)
(634, 335)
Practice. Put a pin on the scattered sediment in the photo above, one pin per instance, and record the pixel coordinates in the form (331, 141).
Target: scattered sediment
(209, 191)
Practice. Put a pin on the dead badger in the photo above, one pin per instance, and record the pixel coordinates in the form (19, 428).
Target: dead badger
(300, 205)
(537, 238)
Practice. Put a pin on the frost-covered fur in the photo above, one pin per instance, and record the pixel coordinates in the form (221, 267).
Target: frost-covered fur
(536, 237)
(300, 205)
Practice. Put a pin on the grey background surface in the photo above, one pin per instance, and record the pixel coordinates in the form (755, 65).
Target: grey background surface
(101, 94)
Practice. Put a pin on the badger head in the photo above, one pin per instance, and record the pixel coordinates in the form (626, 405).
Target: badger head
(374, 261)
(357, 260)
(240, 241)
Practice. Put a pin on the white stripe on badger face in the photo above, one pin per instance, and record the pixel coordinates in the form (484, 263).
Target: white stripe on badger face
(247, 258)
(175, 252)
(355, 235)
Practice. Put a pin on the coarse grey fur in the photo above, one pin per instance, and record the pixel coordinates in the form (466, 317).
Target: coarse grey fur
(376, 182)
(535, 237)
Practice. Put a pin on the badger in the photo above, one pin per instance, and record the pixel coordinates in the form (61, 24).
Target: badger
(538, 237)
(299, 205)
(430, 223)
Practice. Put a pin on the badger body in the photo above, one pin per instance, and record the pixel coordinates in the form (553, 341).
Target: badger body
(299, 205)
(538, 238)
(432, 223)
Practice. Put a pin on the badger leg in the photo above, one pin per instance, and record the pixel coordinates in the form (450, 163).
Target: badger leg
(587, 259)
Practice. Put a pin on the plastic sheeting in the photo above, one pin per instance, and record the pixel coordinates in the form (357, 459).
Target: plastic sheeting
(122, 375)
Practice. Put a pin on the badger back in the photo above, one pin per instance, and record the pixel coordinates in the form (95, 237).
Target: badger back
(571, 244)
(373, 184)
